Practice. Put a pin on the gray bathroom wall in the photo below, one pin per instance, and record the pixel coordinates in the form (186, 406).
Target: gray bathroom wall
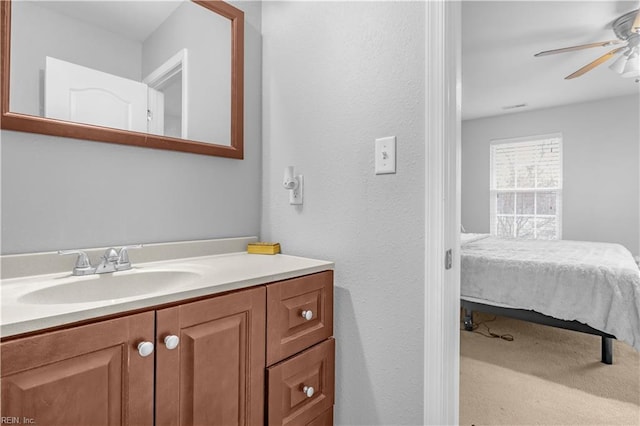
(60, 193)
(336, 77)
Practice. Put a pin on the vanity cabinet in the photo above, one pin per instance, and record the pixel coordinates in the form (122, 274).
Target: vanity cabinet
(215, 376)
(300, 351)
(87, 375)
(212, 361)
(95, 375)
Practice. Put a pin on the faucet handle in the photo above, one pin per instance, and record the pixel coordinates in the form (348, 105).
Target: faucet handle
(123, 257)
(110, 255)
(83, 265)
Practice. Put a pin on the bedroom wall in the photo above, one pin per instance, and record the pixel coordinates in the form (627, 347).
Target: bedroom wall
(336, 76)
(601, 147)
(60, 193)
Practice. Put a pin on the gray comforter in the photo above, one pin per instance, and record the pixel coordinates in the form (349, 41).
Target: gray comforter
(595, 283)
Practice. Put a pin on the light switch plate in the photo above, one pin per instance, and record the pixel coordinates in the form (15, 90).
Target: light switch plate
(385, 155)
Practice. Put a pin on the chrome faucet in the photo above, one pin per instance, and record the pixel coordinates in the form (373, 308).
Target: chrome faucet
(111, 261)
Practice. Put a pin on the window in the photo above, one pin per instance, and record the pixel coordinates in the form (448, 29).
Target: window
(526, 187)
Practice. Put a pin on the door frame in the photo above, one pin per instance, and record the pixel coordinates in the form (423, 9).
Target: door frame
(178, 63)
(442, 212)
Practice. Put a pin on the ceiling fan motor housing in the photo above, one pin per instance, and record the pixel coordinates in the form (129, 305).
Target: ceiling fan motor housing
(622, 26)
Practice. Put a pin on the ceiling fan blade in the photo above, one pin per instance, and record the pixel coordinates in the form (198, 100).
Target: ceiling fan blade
(580, 47)
(592, 65)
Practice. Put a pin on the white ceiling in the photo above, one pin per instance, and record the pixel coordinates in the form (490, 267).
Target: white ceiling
(499, 39)
(134, 20)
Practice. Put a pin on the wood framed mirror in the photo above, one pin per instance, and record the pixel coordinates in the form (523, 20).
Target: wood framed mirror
(208, 101)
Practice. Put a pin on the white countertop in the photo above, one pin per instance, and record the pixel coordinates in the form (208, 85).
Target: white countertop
(211, 274)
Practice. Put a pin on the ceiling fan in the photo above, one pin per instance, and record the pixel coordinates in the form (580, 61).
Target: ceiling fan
(627, 31)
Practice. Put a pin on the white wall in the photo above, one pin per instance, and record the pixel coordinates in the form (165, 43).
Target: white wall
(60, 193)
(336, 76)
(601, 144)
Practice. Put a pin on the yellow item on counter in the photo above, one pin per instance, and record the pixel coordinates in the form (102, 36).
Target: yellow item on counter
(263, 248)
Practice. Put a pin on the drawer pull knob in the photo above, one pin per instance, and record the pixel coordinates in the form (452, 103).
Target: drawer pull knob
(308, 315)
(308, 390)
(145, 348)
(171, 341)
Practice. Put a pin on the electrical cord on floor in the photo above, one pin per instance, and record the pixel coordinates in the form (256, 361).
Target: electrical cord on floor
(492, 335)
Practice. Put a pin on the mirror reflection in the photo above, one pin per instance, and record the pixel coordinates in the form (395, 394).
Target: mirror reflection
(159, 67)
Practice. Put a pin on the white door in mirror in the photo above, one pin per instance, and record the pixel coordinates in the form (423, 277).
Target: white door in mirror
(84, 95)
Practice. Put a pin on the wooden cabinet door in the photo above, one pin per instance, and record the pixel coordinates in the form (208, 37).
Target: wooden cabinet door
(86, 375)
(215, 376)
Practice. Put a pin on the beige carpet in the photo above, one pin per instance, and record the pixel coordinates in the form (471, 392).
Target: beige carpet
(545, 376)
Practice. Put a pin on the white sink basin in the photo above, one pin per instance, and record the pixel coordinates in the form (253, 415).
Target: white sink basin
(105, 287)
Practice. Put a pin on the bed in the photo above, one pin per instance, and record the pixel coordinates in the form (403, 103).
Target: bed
(583, 286)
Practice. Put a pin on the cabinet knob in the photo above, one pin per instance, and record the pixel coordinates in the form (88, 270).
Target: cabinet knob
(307, 314)
(171, 341)
(145, 348)
(308, 390)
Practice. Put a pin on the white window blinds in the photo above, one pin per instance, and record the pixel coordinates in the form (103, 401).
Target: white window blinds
(526, 187)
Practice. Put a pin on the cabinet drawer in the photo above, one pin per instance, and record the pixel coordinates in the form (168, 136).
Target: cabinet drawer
(324, 419)
(288, 403)
(288, 331)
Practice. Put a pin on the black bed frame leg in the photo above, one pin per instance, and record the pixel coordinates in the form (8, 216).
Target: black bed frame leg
(468, 319)
(607, 350)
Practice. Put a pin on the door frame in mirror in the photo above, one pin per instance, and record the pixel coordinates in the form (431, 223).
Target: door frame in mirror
(47, 126)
